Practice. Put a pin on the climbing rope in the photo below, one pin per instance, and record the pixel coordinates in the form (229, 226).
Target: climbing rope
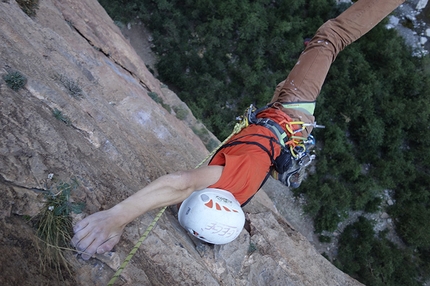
(237, 128)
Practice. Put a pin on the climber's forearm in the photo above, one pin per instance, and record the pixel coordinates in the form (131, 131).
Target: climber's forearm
(167, 190)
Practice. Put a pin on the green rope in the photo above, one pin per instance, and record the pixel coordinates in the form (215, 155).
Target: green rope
(237, 128)
(136, 247)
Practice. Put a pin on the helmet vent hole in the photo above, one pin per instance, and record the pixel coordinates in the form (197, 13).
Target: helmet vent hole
(217, 206)
(204, 197)
(209, 204)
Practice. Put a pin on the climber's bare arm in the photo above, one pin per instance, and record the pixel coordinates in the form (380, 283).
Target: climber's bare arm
(101, 231)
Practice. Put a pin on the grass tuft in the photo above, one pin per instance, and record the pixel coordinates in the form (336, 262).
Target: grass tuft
(72, 86)
(15, 80)
(181, 112)
(155, 97)
(159, 100)
(60, 116)
(54, 227)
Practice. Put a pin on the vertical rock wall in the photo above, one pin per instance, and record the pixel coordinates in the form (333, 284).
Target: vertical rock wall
(109, 135)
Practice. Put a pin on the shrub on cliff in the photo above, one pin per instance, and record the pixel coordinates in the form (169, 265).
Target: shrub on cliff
(29, 6)
(15, 80)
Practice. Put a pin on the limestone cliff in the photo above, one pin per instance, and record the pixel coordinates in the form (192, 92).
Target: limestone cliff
(110, 136)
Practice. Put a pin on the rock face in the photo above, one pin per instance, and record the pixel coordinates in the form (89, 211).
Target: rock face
(113, 139)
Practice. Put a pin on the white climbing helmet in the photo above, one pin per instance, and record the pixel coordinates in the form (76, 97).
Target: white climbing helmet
(212, 215)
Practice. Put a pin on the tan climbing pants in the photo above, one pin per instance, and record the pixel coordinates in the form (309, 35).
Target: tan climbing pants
(305, 80)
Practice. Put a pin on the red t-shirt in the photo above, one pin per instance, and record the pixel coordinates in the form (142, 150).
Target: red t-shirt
(246, 165)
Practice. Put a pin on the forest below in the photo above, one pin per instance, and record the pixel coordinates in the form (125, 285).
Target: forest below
(221, 56)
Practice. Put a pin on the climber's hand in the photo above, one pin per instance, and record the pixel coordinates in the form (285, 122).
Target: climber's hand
(97, 233)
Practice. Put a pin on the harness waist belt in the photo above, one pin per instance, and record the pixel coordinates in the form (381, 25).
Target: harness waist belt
(275, 128)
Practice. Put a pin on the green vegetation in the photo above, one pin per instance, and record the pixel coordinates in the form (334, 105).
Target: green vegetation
(28, 6)
(54, 226)
(15, 80)
(72, 86)
(203, 133)
(252, 248)
(324, 238)
(60, 116)
(378, 261)
(181, 113)
(159, 100)
(220, 56)
(155, 97)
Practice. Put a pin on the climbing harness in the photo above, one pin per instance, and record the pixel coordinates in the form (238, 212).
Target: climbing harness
(295, 150)
(294, 156)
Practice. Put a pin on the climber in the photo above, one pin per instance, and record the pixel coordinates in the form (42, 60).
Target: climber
(212, 195)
